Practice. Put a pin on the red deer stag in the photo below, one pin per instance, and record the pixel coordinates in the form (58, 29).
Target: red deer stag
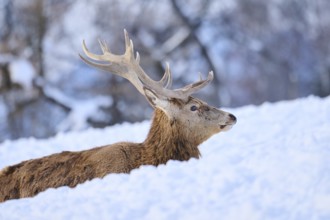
(180, 123)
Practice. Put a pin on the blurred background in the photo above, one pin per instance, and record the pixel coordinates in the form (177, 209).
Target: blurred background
(259, 50)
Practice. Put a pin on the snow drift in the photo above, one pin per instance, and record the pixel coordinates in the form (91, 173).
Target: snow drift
(274, 164)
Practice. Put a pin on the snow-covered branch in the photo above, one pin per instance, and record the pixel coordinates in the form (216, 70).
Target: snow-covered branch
(80, 111)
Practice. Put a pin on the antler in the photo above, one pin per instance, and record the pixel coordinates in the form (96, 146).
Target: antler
(127, 66)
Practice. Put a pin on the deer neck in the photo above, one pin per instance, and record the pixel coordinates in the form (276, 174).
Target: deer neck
(167, 141)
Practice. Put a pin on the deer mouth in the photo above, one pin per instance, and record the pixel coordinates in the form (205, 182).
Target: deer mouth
(222, 126)
(226, 127)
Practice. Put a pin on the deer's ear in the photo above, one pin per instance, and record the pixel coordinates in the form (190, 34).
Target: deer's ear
(155, 100)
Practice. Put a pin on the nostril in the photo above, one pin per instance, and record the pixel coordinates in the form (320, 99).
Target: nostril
(232, 117)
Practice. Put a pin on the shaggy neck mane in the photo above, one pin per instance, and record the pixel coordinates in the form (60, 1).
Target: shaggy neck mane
(167, 141)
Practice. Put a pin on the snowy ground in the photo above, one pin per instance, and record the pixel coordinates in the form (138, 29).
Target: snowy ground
(274, 164)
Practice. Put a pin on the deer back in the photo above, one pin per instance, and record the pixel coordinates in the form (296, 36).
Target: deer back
(30, 177)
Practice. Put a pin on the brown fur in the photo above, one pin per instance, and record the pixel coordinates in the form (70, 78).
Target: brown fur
(166, 140)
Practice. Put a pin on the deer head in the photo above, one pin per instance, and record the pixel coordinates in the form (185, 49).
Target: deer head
(193, 115)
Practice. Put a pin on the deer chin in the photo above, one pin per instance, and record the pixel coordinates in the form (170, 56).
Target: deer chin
(226, 127)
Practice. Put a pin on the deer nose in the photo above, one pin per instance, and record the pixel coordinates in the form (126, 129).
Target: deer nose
(232, 117)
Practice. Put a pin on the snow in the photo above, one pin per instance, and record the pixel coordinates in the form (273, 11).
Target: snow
(22, 72)
(273, 164)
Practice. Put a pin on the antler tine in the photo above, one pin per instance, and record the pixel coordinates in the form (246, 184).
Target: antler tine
(129, 46)
(101, 66)
(164, 79)
(169, 83)
(169, 75)
(126, 39)
(104, 46)
(92, 55)
(137, 57)
(194, 87)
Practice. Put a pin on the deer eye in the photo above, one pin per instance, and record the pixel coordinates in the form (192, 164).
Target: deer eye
(193, 108)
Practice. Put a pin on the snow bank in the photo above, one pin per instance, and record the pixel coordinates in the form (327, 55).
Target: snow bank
(274, 164)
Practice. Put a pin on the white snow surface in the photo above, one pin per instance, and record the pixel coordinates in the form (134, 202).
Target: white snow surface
(273, 164)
